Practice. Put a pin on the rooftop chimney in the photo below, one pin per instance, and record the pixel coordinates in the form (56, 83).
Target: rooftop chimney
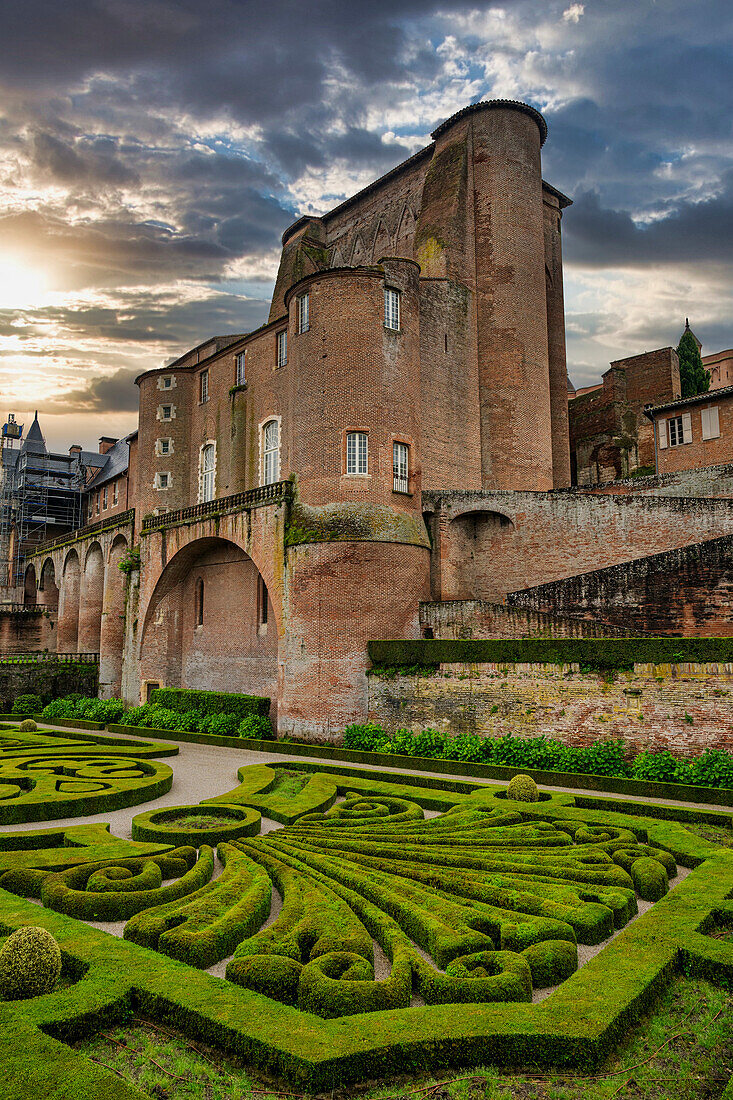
(106, 443)
(75, 449)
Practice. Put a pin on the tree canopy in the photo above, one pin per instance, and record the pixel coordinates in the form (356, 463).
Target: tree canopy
(693, 376)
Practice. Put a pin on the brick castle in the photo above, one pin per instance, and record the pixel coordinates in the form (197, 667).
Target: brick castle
(387, 456)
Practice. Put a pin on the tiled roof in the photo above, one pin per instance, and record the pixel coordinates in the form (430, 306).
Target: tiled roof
(711, 395)
(117, 461)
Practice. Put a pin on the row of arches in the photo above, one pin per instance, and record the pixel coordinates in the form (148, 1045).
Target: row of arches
(86, 589)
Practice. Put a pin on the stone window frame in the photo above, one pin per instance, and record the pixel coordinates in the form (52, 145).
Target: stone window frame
(157, 482)
(161, 416)
(159, 445)
(399, 442)
(204, 394)
(240, 368)
(202, 450)
(261, 432)
(170, 379)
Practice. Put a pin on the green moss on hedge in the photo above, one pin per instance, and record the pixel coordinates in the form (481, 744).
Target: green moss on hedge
(592, 654)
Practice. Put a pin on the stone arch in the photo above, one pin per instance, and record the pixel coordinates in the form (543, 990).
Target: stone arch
(235, 648)
(358, 252)
(67, 638)
(472, 539)
(405, 232)
(112, 621)
(91, 600)
(30, 588)
(47, 585)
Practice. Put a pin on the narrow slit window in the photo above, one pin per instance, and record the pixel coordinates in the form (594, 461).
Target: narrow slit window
(241, 372)
(204, 387)
(199, 602)
(262, 599)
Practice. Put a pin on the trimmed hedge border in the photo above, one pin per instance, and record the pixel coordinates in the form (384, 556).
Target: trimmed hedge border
(575, 1027)
(70, 723)
(591, 653)
(715, 796)
(210, 702)
(236, 821)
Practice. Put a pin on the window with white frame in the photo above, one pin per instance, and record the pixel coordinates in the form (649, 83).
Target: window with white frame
(164, 446)
(391, 308)
(104, 497)
(710, 423)
(204, 387)
(162, 481)
(680, 429)
(207, 472)
(270, 452)
(304, 313)
(240, 375)
(115, 492)
(282, 348)
(357, 453)
(400, 467)
(166, 412)
(166, 382)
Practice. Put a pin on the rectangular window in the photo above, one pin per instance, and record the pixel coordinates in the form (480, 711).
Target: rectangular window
(304, 313)
(675, 431)
(104, 497)
(391, 308)
(241, 370)
(97, 495)
(357, 453)
(162, 481)
(115, 492)
(710, 423)
(262, 599)
(167, 382)
(165, 446)
(282, 348)
(165, 412)
(207, 472)
(204, 387)
(270, 452)
(400, 467)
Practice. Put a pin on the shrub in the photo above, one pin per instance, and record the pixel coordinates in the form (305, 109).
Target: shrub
(255, 726)
(28, 726)
(222, 725)
(658, 767)
(27, 704)
(210, 702)
(522, 788)
(30, 963)
(86, 708)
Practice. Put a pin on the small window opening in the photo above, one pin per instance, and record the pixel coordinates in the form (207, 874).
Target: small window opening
(445, 338)
(200, 602)
(262, 599)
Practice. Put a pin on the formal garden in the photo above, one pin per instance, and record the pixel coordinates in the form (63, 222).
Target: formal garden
(323, 926)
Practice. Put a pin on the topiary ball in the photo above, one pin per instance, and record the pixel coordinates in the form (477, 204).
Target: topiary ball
(28, 726)
(30, 964)
(522, 788)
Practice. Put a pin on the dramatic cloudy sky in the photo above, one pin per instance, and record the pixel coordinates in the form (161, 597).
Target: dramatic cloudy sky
(153, 151)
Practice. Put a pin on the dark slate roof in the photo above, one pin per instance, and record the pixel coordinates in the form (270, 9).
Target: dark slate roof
(34, 441)
(116, 462)
(698, 399)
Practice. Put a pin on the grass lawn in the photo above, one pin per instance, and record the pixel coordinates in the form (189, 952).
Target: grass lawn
(682, 1050)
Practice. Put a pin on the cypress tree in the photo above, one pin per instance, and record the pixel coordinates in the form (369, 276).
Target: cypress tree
(693, 376)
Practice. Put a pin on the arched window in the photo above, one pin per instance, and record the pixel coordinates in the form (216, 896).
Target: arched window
(207, 472)
(270, 452)
(199, 602)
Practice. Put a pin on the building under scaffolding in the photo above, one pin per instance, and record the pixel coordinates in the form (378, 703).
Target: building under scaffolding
(40, 497)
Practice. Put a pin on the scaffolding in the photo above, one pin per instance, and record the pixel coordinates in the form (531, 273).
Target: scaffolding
(41, 496)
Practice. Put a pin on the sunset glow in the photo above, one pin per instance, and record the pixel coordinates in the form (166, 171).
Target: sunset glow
(21, 286)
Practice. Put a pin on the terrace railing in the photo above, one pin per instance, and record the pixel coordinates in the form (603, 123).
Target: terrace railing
(275, 493)
(122, 519)
(49, 658)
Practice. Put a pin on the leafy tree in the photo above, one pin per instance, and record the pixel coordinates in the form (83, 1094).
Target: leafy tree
(693, 376)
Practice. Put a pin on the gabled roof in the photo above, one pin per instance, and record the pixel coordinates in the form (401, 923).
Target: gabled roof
(116, 462)
(698, 399)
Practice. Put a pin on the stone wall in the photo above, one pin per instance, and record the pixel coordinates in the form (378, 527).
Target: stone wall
(47, 679)
(686, 592)
(684, 708)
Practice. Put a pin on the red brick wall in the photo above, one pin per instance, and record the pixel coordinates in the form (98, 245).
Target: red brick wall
(686, 592)
(482, 619)
(23, 633)
(700, 452)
